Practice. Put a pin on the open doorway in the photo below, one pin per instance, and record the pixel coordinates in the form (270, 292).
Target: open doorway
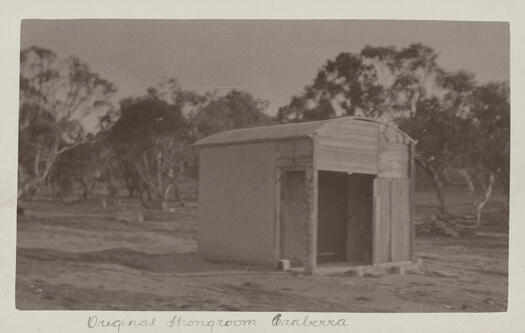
(345, 205)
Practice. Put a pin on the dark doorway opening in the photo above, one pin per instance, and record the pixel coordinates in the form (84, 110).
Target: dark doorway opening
(332, 216)
(345, 204)
(360, 217)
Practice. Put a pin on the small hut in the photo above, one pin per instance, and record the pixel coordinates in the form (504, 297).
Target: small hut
(337, 190)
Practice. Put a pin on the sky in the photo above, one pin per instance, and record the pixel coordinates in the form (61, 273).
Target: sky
(271, 59)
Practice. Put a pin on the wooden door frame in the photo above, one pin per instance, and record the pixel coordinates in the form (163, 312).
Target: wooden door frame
(280, 174)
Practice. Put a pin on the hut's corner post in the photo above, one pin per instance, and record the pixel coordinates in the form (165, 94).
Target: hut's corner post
(277, 225)
(311, 220)
(412, 198)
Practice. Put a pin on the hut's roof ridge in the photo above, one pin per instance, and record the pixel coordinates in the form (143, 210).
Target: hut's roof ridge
(277, 132)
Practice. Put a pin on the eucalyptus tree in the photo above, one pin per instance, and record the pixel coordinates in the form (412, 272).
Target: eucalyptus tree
(56, 95)
(152, 136)
(378, 82)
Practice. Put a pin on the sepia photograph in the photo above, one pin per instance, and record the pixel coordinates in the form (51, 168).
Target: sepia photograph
(346, 166)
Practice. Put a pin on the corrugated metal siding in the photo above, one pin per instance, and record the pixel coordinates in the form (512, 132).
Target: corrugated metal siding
(381, 224)
(237, 202)
(399, 219)
(294, 153)
(349, 146)
(393, 160)
(391, 220)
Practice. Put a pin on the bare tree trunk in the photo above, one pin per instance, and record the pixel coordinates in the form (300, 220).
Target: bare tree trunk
(41, 175)
(438, 186)
(145, 201)
(105, 192)
(177, 193)
(129, 187)
(148, 194)
(439, 192)
(30, 186)
(85, 192)
(486, 196)
(466, 175)
(87, 189)
(158, 168)
(165, 197)
(445, 177)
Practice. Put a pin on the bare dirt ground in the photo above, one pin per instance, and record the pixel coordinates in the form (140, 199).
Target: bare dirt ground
(80, 257)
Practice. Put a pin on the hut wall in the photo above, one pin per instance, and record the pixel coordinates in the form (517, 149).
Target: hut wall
(391, 225)
(294, 199)
(400, 219)
(347, 146)
(392, 229)
(237, 202)
(292, 153)
(393, 160)
(381, 224)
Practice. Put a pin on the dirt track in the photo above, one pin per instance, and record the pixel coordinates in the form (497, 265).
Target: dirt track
(90, 261)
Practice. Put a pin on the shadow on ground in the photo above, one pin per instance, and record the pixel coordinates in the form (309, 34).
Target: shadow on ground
(159, 263)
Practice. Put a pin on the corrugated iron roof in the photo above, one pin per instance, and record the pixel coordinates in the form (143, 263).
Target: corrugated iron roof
(264, 133)
(273, 132)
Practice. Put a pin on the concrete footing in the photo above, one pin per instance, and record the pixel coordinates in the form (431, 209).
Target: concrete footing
(373, 270)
